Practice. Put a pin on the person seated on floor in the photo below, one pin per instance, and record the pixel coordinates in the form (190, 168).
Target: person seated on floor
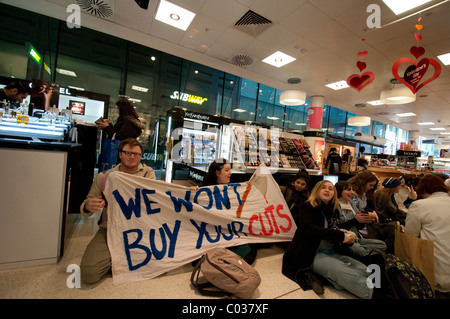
(351, 219)
(96, 261)
(407, 194)
(296, 193)
(312, 252)
(387, 207)
(429, 218)
(219, 172)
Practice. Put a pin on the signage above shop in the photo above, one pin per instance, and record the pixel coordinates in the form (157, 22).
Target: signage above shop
(190, 98)
(409, 153)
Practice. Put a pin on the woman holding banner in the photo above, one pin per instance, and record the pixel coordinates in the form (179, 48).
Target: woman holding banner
(312, 251)
(219, 172)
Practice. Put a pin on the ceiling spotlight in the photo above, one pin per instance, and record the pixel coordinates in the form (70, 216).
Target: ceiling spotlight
(174, 15)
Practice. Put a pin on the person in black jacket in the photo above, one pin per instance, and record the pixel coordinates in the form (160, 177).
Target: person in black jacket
(334, 160)
(312, 252)
(127, 125)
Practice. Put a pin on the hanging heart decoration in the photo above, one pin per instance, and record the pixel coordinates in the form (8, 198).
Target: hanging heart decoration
(359, 82)
(415, 72)
(361, 65)
(418, 37)
(362, 54)
(417, 51)
(419, 27)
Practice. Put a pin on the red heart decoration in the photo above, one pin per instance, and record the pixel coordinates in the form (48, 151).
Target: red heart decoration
(414, 73)
(361, 65)
(418, 37)
(359, 82)
(416, 88)
(362, 54)
(417, 51)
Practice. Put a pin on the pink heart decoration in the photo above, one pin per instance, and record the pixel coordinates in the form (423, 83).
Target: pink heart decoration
(417, 51)
(415, 71)
(418, 37)
(361, 65)
(362, 54)
(359, 82)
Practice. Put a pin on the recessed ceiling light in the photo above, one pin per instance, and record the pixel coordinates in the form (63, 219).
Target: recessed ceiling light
(139, 88)
(446, 133)
(66, 72)
(279, 59)
(400, 6)
(174, 15)
(135, 100)
(445, 58)
(437, 128)
(378, 102)
(273, 118)
(239, 110)
(338, 85)
(406, 114)
(426, 123)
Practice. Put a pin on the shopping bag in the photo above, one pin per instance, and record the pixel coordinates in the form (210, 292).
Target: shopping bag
(109, 154)
(415, 250)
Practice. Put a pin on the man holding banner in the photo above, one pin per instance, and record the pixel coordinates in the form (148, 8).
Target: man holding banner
(96, 260)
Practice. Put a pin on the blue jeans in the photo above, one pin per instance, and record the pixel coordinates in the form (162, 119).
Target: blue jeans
(344, 273)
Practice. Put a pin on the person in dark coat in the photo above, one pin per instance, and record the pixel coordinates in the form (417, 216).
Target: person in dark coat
(297, 192)
(313, 250)
(334, 161)
(127, 125)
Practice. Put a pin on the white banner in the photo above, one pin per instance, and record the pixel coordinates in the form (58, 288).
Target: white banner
(154, 227)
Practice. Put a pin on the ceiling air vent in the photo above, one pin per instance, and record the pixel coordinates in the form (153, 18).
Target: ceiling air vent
(98, 8)
(253, 23)
(242, 60)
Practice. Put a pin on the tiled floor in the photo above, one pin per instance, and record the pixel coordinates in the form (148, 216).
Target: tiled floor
(49, 281)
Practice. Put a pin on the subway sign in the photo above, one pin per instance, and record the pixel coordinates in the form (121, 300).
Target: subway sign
(190, 98)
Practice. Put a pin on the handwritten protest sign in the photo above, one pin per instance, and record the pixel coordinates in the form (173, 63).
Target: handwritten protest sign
(154, 227)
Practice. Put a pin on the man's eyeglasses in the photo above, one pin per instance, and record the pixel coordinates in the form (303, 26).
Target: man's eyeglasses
(131, 154)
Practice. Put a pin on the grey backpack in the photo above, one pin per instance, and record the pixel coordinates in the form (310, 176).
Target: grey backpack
(226, 271)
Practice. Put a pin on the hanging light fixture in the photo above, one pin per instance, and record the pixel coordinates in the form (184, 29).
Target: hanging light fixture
(397, 95)
(359, 121)
(292, 97)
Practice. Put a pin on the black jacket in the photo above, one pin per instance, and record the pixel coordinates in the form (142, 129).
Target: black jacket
(333, 158)
(125, 127)
(299, 256)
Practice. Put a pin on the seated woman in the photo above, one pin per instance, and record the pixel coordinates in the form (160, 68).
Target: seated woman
(297, 192)
(387, 207)
(219, 172)
(312, 250)
(351, 219)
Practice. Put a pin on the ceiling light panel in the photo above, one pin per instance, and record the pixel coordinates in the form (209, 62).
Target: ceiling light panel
(400, 6)
(174, 15)
(406, 114)
(279, 59)
(338, 85)
(445, 58)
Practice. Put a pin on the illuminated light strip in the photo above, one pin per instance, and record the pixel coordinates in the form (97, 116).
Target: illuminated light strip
(35, 55)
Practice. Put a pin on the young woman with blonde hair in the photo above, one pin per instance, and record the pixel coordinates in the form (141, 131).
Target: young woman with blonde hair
(312, 252)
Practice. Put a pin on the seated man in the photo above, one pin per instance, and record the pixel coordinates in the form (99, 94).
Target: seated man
(96, 260)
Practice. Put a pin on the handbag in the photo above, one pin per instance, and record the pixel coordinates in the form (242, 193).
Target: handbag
(415, 250)
(109, 154)
(226, 271)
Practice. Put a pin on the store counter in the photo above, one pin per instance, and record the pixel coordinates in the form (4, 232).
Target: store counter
(33, 191)
(397, 172)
